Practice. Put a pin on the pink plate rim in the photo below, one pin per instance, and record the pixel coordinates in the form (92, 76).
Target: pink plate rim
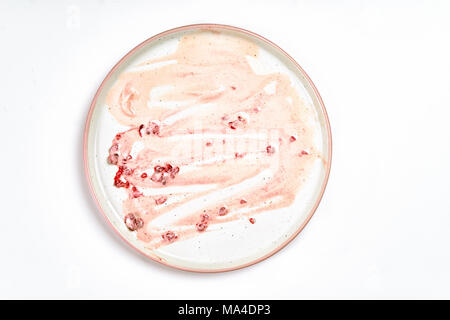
(208, 26)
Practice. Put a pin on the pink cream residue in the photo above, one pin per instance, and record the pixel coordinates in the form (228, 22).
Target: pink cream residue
(210, 141)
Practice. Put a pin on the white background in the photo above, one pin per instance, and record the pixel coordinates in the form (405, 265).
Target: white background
(383, 227)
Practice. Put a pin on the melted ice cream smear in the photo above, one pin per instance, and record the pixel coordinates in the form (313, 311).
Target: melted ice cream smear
(209, 140)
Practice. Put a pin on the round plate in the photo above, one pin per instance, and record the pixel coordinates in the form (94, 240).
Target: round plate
(207, 148)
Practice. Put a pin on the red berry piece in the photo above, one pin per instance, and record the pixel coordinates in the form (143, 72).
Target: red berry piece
(201, 226)
(135, 192)
(132, 222)
(223, 211)
(169, 236)
(152, 128)
(127, 171)
(113, 157)
(117, 179)
(303, 153)
(121, 184)
(270, 150)
(160, 177)
(232, 125)
(160, 200)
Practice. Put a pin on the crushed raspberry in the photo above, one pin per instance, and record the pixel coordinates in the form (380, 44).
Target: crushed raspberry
(223, 211)
(252, 220)
(118, 182)
(152, 128)
(121, 184)
(270, 149)
(144, 175)
(135, 192)
(175, 170)
(118, 136)
(201, 226)
(292, 139)
(303, 153)
(157, 177)
(241, 119)
(161, 200)
(132, 222)
(119, 172)
(162, 174)
(238, 155)
(169, 236)
(243, 201)
(127, 171)
(232, 125)
(113, 157)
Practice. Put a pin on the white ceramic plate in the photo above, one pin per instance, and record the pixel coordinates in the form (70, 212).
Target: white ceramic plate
(233, 241)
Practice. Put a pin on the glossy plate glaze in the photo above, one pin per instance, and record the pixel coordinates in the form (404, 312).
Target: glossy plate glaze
(207, 148)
